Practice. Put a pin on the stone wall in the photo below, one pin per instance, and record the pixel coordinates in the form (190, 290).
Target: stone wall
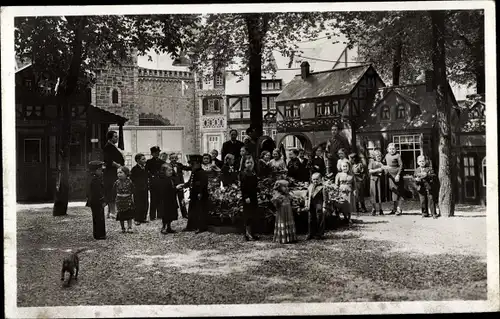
(160, 92)
(123, 79)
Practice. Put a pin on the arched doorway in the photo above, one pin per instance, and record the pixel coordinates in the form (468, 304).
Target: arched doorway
(294, 141)
(265, 143)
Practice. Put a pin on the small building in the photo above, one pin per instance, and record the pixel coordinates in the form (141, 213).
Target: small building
(37, 122)
(310, 104)
(470, 151)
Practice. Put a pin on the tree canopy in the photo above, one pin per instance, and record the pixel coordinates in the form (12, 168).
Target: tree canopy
(377, 35)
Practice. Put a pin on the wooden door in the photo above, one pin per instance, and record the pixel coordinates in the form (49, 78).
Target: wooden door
(31, 167)
(471, 178)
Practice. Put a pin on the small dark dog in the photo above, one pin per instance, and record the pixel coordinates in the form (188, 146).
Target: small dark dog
(71, 264)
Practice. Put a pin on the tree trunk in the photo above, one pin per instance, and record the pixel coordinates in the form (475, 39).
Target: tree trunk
(396, 62)
(255, 39)
(61, 197)
(443, 113)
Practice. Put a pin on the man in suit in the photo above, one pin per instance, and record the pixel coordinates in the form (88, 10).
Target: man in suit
(178, 178)
(153, 166)
(334, 144)
(113, 159)
(198, 196)
(233, 146)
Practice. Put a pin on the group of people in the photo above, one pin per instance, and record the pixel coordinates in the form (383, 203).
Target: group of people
(159, 186)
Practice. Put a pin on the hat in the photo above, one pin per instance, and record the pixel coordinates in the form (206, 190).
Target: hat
(94, 165)
(155, 149)
(195, 158)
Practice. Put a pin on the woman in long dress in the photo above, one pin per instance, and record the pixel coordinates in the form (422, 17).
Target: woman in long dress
(284, 228)
(277, 164)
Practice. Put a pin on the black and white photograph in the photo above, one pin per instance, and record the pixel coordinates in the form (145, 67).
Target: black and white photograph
(250, 159)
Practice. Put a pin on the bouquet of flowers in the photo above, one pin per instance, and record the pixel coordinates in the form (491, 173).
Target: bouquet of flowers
(334, 192)
(225, 202)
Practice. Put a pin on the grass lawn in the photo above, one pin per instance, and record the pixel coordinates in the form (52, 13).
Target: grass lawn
(382, 258)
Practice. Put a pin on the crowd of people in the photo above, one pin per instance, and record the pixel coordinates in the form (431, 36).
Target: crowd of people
(157, 184)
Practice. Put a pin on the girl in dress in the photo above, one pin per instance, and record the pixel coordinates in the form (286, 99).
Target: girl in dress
(342, 158)
(393, 169)
(359, 172)
(249, 191)
(168, 201)
(212, 171)
(346, 184)
(264, 167)
(277, 164)
(229, 174)
(284, 228)
(376, 172)
(123, 191)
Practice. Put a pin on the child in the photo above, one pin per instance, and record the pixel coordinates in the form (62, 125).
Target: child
(376, 172)
(425, 178)
(277, 164)
(284, 228)
(264, 168)
(304, 166)
(316, 199)
(342, 158)
(164, 156)
(359, 172)
(178, 177)
(212, 171)
(214, 154)
(229, 174)
(393, 168)
(249, 190)
(123, 190)
(139, 176)
(317, 164)
(346, 183)
(293, 166)
(96, 200)
(168, 203)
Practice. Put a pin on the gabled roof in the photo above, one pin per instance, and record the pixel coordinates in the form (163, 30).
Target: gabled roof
(323, 84)
(415, 94)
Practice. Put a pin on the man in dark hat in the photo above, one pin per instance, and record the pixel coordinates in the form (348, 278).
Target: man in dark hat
(153, 166)
(198, 196)
(95, 199)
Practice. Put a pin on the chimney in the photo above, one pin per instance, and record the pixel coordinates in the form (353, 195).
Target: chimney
(429, 80)
(304, 69)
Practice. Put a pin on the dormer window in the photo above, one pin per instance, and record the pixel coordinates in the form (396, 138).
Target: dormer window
(385, 113)
(400, 114)
(270, 85)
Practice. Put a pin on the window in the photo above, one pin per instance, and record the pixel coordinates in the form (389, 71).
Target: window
(269, 85)
(325, 108)
(33, 111)
(469, 177)
(483, 165)
(372, 145)
(27, 83)
(114, 96)
(212, 143)
(409, 148)
(272, 103)
(385, 113)
(212, 106)
(292, 111)
(400, 112)
(277, 85)
(273, 134)
(246, 108)
(219, 80)
(32, 150)
(242, 135)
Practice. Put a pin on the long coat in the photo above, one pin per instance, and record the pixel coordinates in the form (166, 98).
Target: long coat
(168, 200)
(111, 154)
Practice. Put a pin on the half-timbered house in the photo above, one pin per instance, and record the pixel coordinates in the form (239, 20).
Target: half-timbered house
(310, 104)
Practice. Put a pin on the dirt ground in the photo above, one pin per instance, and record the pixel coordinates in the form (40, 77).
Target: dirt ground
(381, 258)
